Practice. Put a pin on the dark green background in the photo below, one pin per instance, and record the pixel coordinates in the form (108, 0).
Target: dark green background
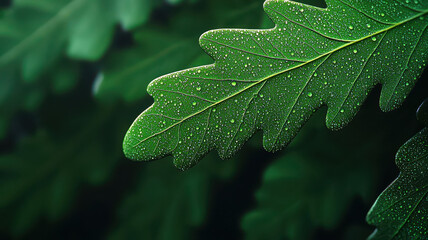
(63, 174)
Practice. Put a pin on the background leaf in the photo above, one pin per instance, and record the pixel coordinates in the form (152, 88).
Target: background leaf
(37, 35)
(169, 47)
(401, 210)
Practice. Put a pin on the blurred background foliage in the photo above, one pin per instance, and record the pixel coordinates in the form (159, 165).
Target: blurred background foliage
(73, 77)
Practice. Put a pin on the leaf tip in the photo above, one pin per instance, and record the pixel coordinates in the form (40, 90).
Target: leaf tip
(183, 165)
(128, 147)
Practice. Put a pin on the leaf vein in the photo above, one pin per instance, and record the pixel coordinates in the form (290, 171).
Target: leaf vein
(365, 14)
(313, 30)
(298, 97)
(184, 94)
(358, 76)
(245, 51)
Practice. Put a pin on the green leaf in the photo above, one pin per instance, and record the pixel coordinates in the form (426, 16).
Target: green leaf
(174, 207)
(33, 34)
(300, 194)
(92, 32)
(401, 210)
(273, 80)
(133, 13)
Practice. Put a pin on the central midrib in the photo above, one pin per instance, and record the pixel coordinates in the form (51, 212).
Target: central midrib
(281, 72)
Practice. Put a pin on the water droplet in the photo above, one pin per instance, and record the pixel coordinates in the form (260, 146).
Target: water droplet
(194, 103)
(374, 39)
(355, 50)
(351, 27)
(369, 26)
(309, 94)
(198, 88)
(232, 121)
(233, 83)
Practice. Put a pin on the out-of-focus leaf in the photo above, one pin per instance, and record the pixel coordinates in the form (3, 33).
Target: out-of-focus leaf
(301, 194)
(35, 32)
(401, 211)
(35, 35)
(126, 70)
(160, 50)
(133, 13)
(92, 31)
(167, 203)
(40, 178)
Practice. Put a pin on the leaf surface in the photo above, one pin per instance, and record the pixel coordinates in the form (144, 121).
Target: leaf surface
(401, 210)
(273, 80)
